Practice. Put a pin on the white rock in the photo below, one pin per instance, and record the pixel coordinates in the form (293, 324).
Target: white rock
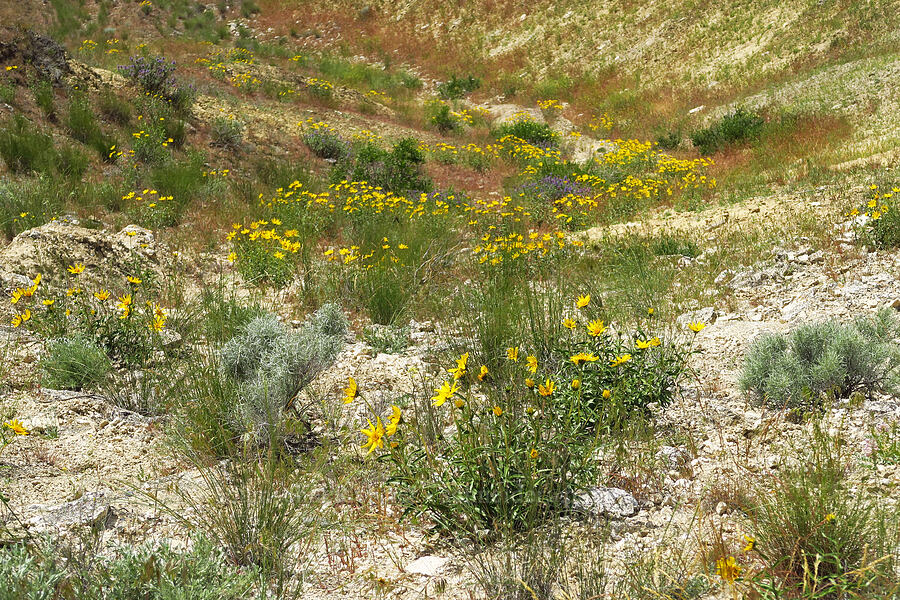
(604, 501)
(427, 565)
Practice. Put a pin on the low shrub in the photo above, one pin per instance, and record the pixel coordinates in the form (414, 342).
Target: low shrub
(157, 77)
(669, 140)
(326, 143)
(739, 127)
(227, 133)
(440, 115)
(525, 429)
(272, 364)
(880, 219)
(824, 359)
(51, 572)
(396, 170)
(528, 130)
(74, 363)
(457, 87)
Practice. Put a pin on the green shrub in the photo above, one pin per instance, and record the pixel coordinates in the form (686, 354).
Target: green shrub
(442, 117)
(272, 364)
(528, 130)
(74, 363)
(227, 133)
(388, 339)
(669, 140)
(326, 143)
(146, 572)
(397, 170)
(525, 426)
(823, 359)
(739, 127)
(882, 228)
(457, 87)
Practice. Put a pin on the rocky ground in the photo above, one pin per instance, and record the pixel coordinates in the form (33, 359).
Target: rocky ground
(91, 463)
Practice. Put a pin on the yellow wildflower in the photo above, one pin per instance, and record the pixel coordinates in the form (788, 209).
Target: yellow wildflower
(16, 426)
(621, 360)
(460, 369)
(569, 323)
(547, 388)
(596, 328)
(583, 357)
(76, 269)
(498, 411)
(483, 373)
(444, 393)
(394, 421)
(375, 436)
(583, 301)
(513, 354)
(728, 569)
(351, 391)
(697, 326)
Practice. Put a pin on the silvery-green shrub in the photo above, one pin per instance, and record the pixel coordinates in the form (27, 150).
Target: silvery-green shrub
(815, 360)
(272, 363)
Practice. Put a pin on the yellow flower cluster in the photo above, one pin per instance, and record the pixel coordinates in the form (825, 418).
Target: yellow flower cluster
(272, 241)
(320, 85)
(385, 252)
(601, 123)
(878, 203)
(549, 105)
(494, 250)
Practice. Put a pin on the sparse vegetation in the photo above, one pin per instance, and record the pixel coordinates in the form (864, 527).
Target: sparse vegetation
(303, 332)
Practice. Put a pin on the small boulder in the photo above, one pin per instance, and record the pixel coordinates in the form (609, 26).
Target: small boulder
(614, 503)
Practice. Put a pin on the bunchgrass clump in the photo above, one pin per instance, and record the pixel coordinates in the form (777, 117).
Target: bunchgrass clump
(824, 359)
(818, 534)
(458, 87)
(74, 363)
(24, 148)
(29, 203)
(529, 130)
